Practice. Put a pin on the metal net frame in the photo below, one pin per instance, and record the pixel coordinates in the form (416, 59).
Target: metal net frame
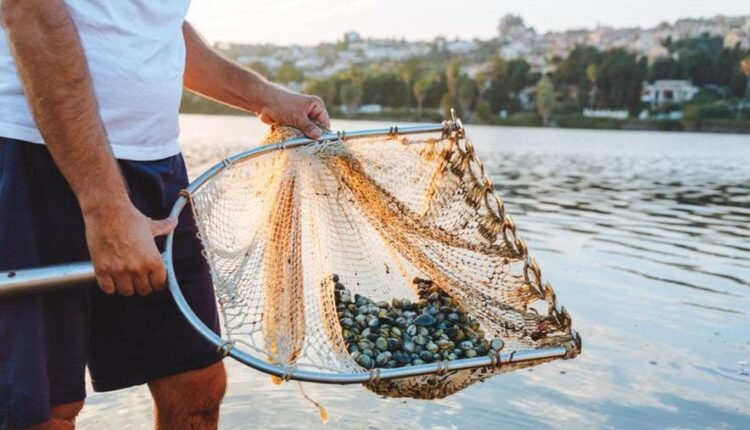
(378, 208)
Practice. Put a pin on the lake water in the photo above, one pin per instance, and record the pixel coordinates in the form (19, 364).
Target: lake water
(646, 239)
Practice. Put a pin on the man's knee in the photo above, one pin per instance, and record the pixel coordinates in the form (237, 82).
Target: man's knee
(67, 412)
(194, 393)
(62, 417)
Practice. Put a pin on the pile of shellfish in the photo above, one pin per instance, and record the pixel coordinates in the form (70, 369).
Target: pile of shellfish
(405, 333)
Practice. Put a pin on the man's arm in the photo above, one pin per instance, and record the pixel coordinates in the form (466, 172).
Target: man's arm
(53, 70)
(214, 76)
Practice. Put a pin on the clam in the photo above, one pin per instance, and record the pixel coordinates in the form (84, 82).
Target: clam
(382, 358)
(365, 361)
(381, 344)
(411, 330)
(398, 332)
(401, 358)
(425, 320)
(426, 356)
(373, 321)
(393, 344)
(361, 320)
(421, 339)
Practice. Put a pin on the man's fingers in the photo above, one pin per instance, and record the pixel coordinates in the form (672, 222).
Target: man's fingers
(266, 118)
(142, 285)
(124, 285)
(311, 130)
(319, 114)
(163, 226)
(106, 284)
(158, 277)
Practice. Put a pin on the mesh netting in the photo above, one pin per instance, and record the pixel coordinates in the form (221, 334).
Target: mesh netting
(377, 212)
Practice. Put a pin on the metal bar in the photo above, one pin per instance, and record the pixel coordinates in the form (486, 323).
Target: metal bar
(29, 281)
(401, 372)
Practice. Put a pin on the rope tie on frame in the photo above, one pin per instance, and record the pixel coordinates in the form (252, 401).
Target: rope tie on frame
(225, 349)
(374, 375)
(288, 371)
(442, 367)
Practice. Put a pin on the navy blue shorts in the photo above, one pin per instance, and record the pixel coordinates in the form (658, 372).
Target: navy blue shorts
(47, 340)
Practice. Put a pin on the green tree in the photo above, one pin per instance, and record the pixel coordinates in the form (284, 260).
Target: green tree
(665, 68)
(621, 75)
(287, 73)
(447, 102)
(408, 71)
(354, 74)
(507, 80)
(421, 87)
(453, 77)
(745, 67)
(384, 88)
(484, 113)
(592, 74)
(545, 98)
(261, 68)
(351, 97)
(323, 88)
(466, 94)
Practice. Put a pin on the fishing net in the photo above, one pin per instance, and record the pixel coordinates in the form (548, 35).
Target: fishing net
(377, 212)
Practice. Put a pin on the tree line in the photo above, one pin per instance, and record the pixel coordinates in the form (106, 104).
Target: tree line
(586, 78)
(482, 86)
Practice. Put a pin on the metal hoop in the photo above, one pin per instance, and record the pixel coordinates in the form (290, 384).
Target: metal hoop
(74, 275)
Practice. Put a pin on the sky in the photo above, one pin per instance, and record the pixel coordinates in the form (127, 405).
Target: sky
(307, 22)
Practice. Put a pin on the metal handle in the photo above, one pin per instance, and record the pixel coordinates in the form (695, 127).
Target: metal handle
(51, 278)
(41, 279)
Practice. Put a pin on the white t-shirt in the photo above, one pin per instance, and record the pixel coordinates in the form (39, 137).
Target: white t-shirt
(136, 56)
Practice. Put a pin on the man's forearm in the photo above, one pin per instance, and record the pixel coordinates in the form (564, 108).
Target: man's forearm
(52, 67)
(213, 76)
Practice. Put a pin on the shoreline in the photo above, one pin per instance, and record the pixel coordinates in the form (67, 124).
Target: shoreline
(739, 127)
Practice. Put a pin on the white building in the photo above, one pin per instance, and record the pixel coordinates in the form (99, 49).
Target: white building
(668, 91)
(606, 113)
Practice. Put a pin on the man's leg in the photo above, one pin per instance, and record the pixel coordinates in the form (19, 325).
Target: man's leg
(189, 400)
(43, 337)
(62, 417)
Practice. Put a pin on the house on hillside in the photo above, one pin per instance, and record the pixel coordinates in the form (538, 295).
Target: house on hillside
(668, 91)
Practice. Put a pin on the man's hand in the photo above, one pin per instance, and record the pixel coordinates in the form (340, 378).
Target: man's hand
(125, 257)
(297, 110)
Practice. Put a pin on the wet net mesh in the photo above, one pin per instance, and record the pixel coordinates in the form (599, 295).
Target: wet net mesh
(377, 212)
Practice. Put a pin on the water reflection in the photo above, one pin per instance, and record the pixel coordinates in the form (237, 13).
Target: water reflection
(645, 238)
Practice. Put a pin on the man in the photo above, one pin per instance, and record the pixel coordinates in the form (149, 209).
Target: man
(89, 167)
